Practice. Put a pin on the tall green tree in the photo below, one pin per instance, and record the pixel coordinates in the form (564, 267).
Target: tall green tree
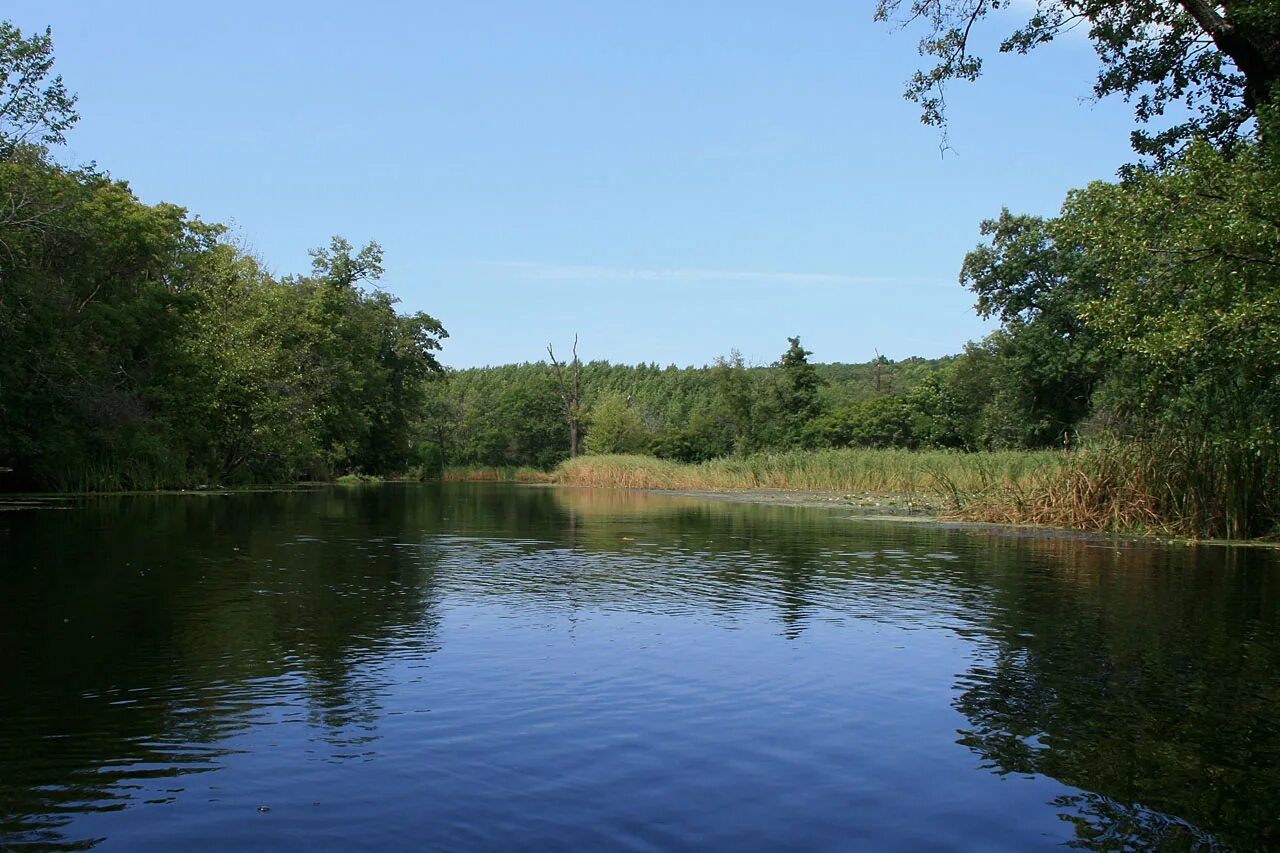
(89, 301)
(1191, 256)
(796, 393)
(35, 107)
(738, 400)
(616, 427)
(367, 364)
(1037, 287)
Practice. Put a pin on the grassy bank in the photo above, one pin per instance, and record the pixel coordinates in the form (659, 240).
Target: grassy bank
(358, 480)
(1111, 487)
(497, 474)
(1185, 488)
(935, 474)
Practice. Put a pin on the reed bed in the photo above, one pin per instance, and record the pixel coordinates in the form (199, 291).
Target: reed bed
(1188, 489)
(896, 472)
(118, 475)
(1084, 493)
(496, 474)
(1175, 487)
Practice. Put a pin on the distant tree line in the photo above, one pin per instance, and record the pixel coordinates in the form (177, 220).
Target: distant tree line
(513, 415)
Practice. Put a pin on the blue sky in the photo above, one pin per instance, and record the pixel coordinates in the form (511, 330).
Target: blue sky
(668, 180)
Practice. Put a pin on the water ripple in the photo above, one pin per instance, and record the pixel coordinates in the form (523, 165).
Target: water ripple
(470, 667)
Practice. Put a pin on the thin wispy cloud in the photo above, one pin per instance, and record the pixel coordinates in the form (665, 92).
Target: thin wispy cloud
(585, 272)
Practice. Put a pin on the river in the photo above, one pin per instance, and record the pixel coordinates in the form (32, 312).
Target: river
(473, 666)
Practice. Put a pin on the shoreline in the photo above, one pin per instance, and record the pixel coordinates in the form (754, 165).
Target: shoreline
(916, 512)
(874, 507)
(892, 505)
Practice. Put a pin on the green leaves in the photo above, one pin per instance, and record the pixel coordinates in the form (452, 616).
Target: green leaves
(796, 393)
(1214, 63)
(615, 426)
(35, 109)
(138, 349)
(1163, 292)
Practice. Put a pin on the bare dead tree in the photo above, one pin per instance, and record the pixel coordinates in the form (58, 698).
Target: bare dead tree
(884, 383)
(569, 378)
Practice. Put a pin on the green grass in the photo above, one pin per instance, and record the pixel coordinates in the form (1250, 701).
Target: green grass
(495, 474)
(1183, 489)
(938, 474)
(357, 480)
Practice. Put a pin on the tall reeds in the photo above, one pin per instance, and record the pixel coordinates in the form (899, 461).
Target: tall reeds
(496, 474)
(897, 472)
(1174, 486)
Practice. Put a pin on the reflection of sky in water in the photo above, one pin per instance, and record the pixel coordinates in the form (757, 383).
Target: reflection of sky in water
(477, 666)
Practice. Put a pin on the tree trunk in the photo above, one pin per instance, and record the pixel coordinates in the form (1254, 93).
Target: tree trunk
(1255, 52)
(570, 395)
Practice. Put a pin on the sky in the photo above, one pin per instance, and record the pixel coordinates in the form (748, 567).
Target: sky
(667, 180)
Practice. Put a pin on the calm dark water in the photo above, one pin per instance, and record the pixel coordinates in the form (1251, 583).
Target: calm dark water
(480, 667)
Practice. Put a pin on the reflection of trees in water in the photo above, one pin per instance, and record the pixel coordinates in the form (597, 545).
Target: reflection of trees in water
(634, 549)
(1104, 824)
(1146, 678)
(137, 635)
(1150, 682)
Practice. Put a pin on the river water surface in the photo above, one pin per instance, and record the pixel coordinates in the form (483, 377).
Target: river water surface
(490, 667)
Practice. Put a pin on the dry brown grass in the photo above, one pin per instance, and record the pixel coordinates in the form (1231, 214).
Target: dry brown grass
(1177, 488)
(1072, 497)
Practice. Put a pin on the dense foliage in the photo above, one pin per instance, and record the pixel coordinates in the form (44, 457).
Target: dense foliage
(511, 415)
(140, 348)
(1213, 65)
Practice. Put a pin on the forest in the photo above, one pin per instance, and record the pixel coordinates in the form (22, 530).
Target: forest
(515, 415)
(1139, 329)
(142, 348)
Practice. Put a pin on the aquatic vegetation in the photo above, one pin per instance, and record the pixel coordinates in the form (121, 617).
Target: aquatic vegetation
(885, 470)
